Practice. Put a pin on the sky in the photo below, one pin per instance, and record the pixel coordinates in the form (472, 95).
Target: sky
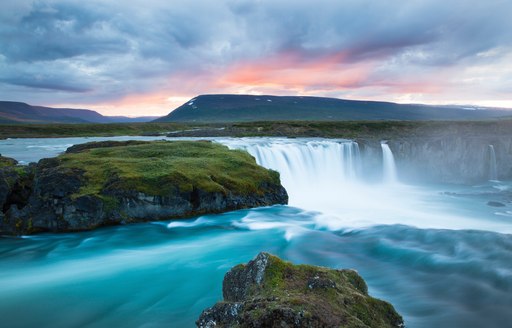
(146, 57)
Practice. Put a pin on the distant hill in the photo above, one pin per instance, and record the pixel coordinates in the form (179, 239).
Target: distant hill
(17, 112)
(239, 108)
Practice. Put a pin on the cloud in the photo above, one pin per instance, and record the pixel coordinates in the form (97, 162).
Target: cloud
(52, 32)
(136, 54)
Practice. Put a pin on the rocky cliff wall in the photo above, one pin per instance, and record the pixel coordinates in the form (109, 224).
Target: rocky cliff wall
(450, 159)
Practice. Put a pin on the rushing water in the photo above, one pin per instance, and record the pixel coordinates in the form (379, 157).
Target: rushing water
(493, 172)
(438, 253)
(388, 164)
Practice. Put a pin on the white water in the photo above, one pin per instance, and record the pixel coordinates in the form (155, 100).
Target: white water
(326, 176)
(493, 173)
(334, 163)
(388, 164)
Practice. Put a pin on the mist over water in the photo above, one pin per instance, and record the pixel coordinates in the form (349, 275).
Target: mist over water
(327, 176)
(439, 253)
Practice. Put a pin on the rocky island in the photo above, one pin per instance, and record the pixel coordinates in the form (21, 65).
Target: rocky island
(270, 292)
(108, 183)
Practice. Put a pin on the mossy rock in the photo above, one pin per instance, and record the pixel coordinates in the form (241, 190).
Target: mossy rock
(7, 161)
(270, 292)
(158, 167)
(110, 183)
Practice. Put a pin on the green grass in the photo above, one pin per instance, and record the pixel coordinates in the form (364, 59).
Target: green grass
(157, 168)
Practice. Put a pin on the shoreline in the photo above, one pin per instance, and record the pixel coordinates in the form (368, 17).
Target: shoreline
(290, 129)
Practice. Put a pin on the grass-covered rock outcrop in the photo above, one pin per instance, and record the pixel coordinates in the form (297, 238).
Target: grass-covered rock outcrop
(108, 183)
(270, 292)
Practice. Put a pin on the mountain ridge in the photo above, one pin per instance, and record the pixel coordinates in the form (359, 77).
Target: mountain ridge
(242, 108)
(13, 112)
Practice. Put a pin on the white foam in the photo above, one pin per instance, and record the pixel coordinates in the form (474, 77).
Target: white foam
(324, 175)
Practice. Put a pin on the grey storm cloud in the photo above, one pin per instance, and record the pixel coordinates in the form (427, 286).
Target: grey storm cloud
(59, 31)
(48, 84)
(108, 49)
(451, 30)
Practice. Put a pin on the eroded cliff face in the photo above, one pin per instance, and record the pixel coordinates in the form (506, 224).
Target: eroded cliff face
(449, 159)
(456, 159)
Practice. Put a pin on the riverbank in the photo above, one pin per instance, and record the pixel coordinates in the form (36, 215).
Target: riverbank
(294, 129)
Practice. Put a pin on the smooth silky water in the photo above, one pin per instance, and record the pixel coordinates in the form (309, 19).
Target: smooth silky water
(437, 252)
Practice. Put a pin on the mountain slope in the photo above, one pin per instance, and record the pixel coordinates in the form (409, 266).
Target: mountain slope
(238, 108)
(18, 112)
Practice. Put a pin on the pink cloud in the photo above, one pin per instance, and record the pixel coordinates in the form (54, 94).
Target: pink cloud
(294, 71)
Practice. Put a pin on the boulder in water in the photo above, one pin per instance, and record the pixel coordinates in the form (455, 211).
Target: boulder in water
(270, 292)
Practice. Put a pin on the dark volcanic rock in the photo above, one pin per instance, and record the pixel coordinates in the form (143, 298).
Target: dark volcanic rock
(495, 204)
(269, 292)
(15, 186)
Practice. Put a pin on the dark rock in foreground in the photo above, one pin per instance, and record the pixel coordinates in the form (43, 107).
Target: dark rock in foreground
(16, 184)
(269, 292)
(495, 204)
(110, 183)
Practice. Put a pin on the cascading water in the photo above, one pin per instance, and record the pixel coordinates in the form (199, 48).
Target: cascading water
(493, 175)
(326, 176)
(388, 164)
(311, 169)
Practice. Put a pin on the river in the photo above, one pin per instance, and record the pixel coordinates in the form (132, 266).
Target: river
(437, 252)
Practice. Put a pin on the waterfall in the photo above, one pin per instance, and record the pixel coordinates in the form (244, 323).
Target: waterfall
(309, 163)
(493, 175)
(388, 164)
(326, 176)
(311, 170)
